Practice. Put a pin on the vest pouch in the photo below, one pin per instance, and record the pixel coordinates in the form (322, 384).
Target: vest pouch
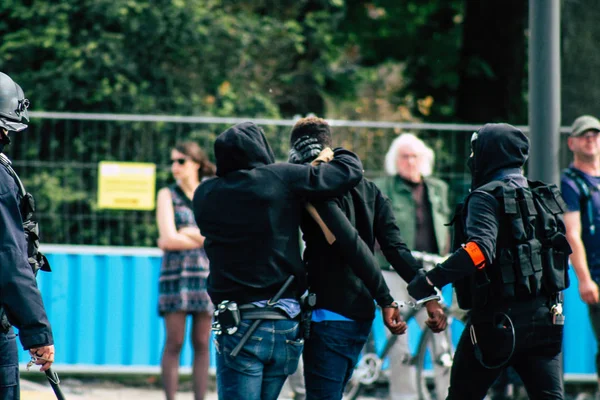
(556, 249)
(528, 255)
(536, 280)
(556, 264)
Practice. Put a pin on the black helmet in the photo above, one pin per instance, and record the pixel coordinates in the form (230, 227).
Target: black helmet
(13, 105)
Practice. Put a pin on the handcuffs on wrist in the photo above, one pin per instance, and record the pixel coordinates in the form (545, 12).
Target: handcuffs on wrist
(413, 304)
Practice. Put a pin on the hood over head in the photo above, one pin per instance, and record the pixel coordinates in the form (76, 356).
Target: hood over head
(496, 147)
(243, 146)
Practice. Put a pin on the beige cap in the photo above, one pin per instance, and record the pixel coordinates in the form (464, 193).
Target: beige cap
(584, 124)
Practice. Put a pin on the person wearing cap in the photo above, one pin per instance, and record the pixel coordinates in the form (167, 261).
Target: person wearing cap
(20, 300)
(509, 268)
(579, 186)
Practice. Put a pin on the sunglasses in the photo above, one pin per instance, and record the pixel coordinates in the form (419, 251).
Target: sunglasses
(589, 135)
(179, 161)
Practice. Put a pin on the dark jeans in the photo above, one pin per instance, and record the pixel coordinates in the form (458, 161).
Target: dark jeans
(9, 366)
(330, 355)
(536, 358)
(261, 368)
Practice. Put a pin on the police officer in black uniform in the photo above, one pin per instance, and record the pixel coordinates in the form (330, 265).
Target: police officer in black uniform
(509, 269)
(20, 300)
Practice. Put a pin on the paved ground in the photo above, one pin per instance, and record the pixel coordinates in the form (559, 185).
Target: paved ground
(74, 389)
(35, 391)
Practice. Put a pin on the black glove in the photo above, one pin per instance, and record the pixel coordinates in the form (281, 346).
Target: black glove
(419, 288)
(304, 150)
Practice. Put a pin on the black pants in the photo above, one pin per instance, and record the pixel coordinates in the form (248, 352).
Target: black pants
(536, 357)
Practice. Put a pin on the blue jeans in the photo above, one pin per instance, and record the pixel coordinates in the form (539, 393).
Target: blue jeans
(9, 366)
(261, 368)
(330, 355)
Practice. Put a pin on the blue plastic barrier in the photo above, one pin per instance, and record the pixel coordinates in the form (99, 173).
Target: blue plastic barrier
(102, 304)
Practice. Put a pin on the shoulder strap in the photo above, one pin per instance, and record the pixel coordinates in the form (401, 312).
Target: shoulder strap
(585, 190)
(6, 162)
(26, 202)
(186, 200)
(583, 184)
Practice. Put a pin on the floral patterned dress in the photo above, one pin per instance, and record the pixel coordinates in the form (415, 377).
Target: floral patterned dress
(183, 274)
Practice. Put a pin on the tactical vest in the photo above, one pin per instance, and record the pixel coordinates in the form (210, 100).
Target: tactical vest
(532, 251)
(37, 261)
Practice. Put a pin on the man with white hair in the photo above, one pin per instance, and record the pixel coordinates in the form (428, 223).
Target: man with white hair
(420, 204)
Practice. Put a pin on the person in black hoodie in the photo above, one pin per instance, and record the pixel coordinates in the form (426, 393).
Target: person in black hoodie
(502, 273)
(250, 216)
(344, 273)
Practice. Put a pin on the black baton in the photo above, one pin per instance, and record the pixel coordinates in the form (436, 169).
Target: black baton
(54, 381)
(255, 324)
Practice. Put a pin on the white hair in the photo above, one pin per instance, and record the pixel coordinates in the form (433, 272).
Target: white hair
(426, 154)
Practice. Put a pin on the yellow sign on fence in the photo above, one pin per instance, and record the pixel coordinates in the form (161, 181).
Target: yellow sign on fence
(126, 185)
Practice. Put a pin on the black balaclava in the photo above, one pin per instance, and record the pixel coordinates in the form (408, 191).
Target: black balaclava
(496, 147)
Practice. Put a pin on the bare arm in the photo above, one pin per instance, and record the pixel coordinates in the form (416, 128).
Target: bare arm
(169, 238)
(325, 155)
(588, 290)
(193, 233)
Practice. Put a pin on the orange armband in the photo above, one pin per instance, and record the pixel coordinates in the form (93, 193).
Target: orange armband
(476, 254)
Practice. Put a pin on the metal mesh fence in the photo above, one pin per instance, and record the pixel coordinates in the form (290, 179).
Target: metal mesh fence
(57, 159)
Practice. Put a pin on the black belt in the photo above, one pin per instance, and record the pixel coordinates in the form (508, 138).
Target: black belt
(250, 311)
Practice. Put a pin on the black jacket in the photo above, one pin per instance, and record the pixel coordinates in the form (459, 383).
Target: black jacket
(499, 152)
(19, 295)
(346, 276)
(250, 214)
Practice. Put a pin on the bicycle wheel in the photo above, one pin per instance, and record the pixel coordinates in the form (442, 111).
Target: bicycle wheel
(437, 350)
(366, 372)
(352, 389)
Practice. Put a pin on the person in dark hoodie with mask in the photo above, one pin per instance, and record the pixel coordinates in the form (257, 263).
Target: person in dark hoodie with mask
(509, 268)
(250, 216)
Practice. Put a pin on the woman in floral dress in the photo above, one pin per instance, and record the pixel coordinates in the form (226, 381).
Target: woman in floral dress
(184, 270)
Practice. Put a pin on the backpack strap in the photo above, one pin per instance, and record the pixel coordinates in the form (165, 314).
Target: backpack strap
(26, 202)
(182, 196)
(585, 196)
(6, 162)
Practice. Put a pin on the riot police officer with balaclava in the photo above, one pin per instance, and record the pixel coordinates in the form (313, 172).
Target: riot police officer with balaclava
(509, 268)
(20, 300)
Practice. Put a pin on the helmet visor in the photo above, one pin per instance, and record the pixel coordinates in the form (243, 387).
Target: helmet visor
(12, 126)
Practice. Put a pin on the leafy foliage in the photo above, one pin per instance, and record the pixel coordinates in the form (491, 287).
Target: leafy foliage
(396, 60)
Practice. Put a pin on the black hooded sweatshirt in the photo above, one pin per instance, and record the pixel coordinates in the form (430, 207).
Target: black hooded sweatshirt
(499, 153)
(250, 214)
(346, 276)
